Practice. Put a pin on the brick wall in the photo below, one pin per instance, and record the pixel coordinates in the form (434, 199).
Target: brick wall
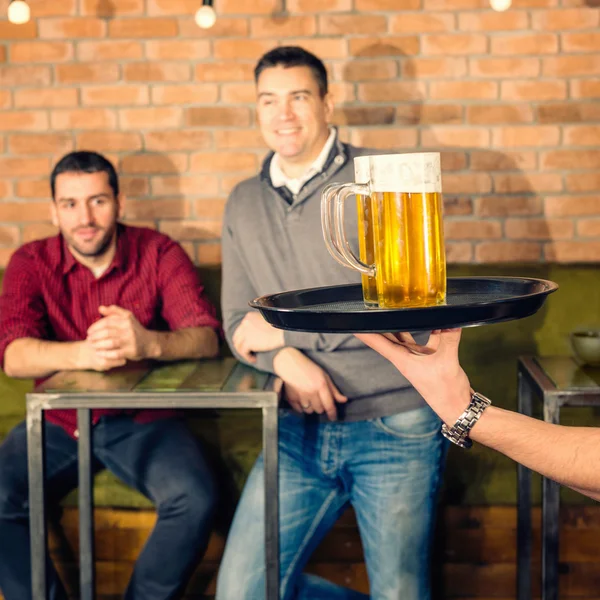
(511, 99)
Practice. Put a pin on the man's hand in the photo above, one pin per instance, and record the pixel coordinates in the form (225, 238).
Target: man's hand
(437, 375)
(119, 335)
(254, 334)
(308, 388)
(90, 358)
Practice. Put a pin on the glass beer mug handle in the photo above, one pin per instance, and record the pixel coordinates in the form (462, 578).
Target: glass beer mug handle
(340, 197)
(327, 223)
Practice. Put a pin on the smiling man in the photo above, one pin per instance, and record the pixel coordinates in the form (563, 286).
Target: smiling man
(95, 296)
(353, 431)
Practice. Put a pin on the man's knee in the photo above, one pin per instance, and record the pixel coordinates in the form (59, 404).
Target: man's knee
(193, 500)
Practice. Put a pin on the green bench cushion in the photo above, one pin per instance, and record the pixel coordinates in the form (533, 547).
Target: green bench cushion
(488, 354)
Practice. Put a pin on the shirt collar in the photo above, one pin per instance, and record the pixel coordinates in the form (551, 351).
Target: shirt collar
(279, 178)
(69, 261)
(119, 259)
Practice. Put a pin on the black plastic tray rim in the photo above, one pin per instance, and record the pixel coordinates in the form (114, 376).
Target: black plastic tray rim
(296, 318)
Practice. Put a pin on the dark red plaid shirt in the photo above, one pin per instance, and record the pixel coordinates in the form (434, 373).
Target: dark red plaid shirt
(48, 295)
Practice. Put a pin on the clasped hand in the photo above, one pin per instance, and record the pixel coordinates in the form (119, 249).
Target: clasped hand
(114, 339)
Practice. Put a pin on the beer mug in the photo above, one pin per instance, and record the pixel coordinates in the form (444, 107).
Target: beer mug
(404, 195)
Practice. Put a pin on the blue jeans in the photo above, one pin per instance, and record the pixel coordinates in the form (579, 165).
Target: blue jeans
(160, 459)
(388, 469)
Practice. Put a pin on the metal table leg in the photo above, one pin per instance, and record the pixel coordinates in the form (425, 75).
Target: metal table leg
(37, 522)
(550, 516)
(271, 460)
(86, 506)
(524, 533)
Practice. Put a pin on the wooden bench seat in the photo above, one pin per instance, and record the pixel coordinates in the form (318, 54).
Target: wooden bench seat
(475, 552)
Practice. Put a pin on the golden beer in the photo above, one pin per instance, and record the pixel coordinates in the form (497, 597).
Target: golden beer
(409, 250)
(366, 246)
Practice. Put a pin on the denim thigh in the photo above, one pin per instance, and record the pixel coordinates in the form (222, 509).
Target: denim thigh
(310, 504)
(396, 474)
(161, 459)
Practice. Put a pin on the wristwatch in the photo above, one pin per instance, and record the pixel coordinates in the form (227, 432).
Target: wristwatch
(459, 432)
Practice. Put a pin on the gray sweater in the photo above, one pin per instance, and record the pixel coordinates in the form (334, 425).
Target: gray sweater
(273, 242)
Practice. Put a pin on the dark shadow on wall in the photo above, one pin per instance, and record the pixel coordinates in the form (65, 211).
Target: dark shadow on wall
(280, 14)
(164, 191)
(482, 189)
(106, 9)
(152, 184)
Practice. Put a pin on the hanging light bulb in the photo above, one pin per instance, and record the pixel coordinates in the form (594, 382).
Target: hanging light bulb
(18, 12)
(206, 15)
(500, 5)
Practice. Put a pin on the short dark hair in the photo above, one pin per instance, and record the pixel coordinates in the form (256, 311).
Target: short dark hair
(293, 56)
(85, 161)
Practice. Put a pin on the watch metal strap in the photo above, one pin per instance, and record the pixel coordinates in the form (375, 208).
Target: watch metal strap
(459, 432)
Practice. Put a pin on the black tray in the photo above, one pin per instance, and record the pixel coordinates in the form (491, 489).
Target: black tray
(470, 301)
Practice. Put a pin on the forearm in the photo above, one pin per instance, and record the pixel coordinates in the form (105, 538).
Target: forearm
(237, 290)
(231, 321)
(264, 360)
(192, 342)
(568, 455)
(32, 358)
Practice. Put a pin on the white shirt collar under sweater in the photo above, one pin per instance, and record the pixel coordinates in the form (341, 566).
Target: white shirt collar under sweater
(280, 179)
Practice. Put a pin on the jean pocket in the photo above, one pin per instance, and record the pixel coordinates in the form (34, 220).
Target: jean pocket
(285, 412)
(419, 423)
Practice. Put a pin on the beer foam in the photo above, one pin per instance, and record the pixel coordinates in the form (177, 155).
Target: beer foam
(362, 169)
(418, 172)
